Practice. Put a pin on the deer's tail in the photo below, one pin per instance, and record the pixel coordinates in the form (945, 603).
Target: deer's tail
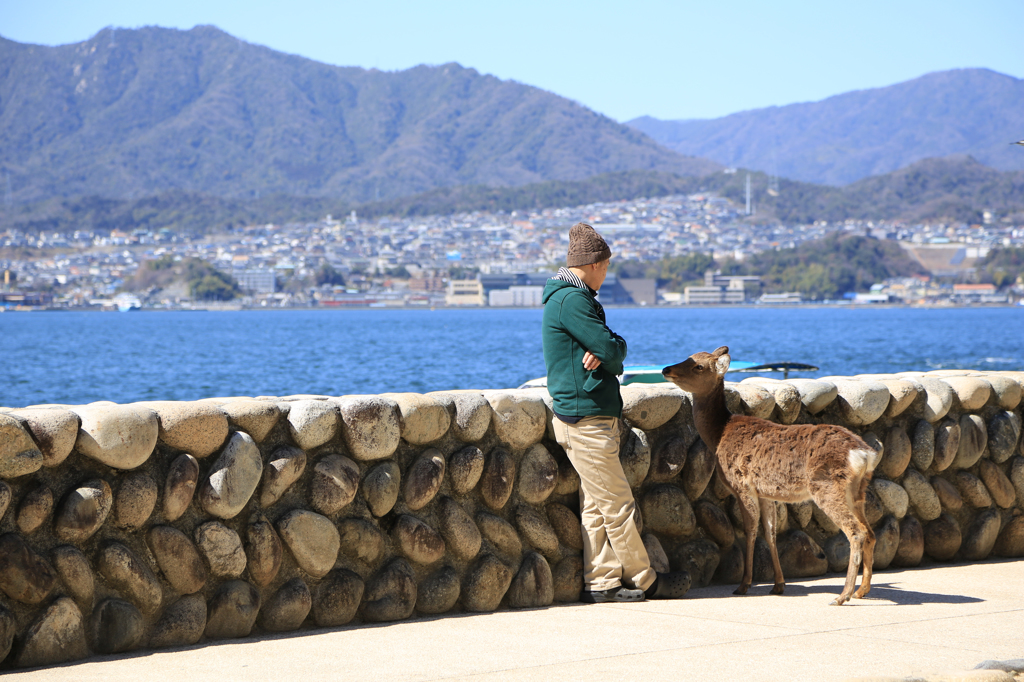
(864, 460)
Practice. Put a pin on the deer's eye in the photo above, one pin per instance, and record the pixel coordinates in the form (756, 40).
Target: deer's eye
(698, 368)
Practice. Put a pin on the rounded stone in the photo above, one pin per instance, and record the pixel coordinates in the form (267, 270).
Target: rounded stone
(887, 542)
(83, 511)
(423, 479)
(76, 574)
(56, 636)
(635, 456)
(656, 553)
(287, 608)
(232, 610)
(938, 399)
(824, 520)
(837, 553)
(714, 521)
(861, 402)
(25, 576)
(1006, 389)
(5, 499)
(787, 402)
(312, 539)
(469, 411)
(902, 394)
(896, 455)
(949, 496)
(800, 556)
(533, 585)
(667, 511)
(177, 558)
(998, 484)
(360, 540)
(536, 530)
(381, 486)
(312, 422)
(180, 486)
(439, 592)
(973, 441)
(486, 584)
(923, 449)
(1003, 436)
(730, 566)
(1017, 477)
(285, 467)
(947, 442)
(131, 577)
(391, 594)
(1010, 542)
(120, 436)
(222, 549)
(233, 477)
(370, 426)
(698, 558)
(749, 399)
(970, 392)
(465, 467)
(815, 395)
(893, 497)
(910, 550)
(922, 497)
(418, 541)
(460, 534)
(263, 551)
(980, 536)
(334, 484)
(135, 500)
(197, 428)
(497, 479)
(35, 508)
(698, 469)
(519, 417)
(337, 598)
(648, 409)
(667, 461)
(255, 417)
(538, 474)
(942, 538)
(54, 432)
(116, 626)
(181, 624)
(568, 480)
(19, 454)
(566, 526)
(567, 578)
(499, 533)
(801, 512)
(972, 490)
(422, 418)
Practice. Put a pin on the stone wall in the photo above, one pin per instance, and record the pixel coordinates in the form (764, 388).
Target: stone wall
(165, 524)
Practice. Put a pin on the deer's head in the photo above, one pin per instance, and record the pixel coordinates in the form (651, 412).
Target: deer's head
(701, 372)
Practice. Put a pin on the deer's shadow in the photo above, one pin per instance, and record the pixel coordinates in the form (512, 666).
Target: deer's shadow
(879, 592)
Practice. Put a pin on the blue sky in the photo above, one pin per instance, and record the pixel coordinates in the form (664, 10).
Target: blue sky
(666, 59)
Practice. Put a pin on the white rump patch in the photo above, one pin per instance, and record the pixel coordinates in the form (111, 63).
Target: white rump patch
(863, 461)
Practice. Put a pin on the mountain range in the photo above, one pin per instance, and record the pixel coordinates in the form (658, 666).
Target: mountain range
(854, 135)
(138, 112)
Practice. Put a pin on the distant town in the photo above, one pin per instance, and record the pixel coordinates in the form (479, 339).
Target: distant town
(473, 259)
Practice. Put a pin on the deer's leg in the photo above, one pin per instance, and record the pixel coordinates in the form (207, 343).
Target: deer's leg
(749, 509)
(768, 522)
(839, 505)
(869, 541)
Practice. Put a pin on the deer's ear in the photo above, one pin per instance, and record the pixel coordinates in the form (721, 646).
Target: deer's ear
(722, 363)
(721, 350)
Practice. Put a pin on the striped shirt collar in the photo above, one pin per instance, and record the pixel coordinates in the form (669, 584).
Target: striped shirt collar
(566, 275)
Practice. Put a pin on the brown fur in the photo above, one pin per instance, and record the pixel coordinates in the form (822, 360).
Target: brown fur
(762, 461)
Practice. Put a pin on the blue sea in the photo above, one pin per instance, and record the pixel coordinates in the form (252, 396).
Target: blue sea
(80, 357)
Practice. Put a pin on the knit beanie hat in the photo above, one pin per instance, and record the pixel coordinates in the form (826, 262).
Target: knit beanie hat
(586, 246)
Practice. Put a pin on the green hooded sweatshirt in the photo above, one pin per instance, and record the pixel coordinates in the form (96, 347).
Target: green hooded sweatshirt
(574, 323)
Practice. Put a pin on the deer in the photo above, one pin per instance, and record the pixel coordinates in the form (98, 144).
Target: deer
(762, 462)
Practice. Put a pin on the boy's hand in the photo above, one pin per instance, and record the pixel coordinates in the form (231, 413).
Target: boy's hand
(590, 361)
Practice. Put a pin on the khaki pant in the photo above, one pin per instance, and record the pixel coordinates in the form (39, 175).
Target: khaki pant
(613, 552)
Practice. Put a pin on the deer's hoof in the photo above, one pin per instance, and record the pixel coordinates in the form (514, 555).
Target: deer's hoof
(742, 589)
(778, 589)
(860, 595)
(839, 601)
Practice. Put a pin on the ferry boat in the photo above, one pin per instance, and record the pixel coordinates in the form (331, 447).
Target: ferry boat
(127, 303)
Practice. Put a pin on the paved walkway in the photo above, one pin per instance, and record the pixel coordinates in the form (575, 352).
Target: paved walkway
(915, 622)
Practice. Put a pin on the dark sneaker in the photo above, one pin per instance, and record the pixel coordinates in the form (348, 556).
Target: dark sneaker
(669, 586)
(615, 594)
